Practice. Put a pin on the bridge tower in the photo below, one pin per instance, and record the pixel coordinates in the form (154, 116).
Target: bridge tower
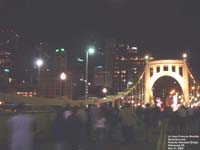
(177, 69)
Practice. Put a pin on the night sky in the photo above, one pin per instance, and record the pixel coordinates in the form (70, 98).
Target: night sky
(164, 29)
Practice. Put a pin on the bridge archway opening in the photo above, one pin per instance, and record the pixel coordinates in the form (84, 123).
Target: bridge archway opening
(167, 91)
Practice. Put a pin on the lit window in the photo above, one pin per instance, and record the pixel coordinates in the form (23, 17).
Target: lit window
(123, 71)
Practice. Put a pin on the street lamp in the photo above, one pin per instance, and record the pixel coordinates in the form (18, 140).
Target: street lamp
(39, 63)
(104, 90)
(129, 83)
(90, 51)
(146, 57)
(63, 77)
(184, 55)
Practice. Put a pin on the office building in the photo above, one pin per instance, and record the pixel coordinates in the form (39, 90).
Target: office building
(8, 48)
(51, 85)
(124, 63)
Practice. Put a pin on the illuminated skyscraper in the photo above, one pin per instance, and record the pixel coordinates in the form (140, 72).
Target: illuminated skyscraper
(99, 76)
(51, 85)
(60, 60)
(124, 63)
(8, 48)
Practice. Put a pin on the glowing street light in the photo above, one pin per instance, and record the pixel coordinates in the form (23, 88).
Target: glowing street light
(7, 70)
(146, 57)
(184, 55)
(172, 92)
(60, 50)
(193, 87)
(104, 90)
(39, 63)
(90, 51)
(134, 48)
(63, 77)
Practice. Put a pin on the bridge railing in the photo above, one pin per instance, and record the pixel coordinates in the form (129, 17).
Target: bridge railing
(41, 101)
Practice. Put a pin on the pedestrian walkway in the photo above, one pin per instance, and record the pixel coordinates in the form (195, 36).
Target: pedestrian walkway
(117, 142)
(139, 145)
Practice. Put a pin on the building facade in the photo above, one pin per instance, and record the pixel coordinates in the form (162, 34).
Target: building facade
(8, 48)
(124, 63)
(52, 85)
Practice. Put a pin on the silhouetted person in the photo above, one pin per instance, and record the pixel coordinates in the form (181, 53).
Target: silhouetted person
(100, 128)
(22, 130)
(148, 123)
(72, 130)
(58, 132)
(182, 114)
(128, 121)
(83, 118)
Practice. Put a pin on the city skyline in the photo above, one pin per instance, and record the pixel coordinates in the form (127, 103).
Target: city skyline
(99, 74)
(164, 30)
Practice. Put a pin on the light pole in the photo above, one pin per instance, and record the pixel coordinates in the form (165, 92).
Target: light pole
(63, 77)
(184, 56)
(39, 62)
(104, 91)
(91, 50)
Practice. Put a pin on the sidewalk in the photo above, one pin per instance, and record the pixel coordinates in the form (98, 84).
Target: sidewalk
(139, 145)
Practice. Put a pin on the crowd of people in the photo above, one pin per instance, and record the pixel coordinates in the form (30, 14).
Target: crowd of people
(97, 125)
(75, 128)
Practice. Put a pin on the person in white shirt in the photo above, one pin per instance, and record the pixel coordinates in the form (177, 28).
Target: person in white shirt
(22, 131)
(100, 126)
